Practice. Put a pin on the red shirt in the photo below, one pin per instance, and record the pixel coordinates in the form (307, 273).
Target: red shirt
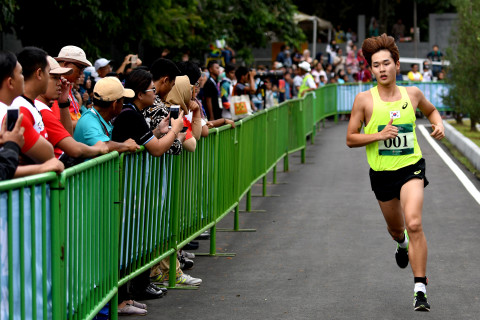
(56, 131)
(187, 124)
(30, 135)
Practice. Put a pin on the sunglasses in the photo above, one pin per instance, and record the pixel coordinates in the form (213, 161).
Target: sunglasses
(153, 90)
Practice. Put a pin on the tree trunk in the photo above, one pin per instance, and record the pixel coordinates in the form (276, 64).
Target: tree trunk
(458, 117)
(473, 124)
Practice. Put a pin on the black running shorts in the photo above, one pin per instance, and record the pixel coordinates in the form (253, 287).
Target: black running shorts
(387, 184)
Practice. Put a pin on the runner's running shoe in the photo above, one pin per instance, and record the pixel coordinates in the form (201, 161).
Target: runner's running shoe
(420, 302)
(401, 254)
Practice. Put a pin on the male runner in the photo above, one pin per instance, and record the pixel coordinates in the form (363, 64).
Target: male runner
(397, 169)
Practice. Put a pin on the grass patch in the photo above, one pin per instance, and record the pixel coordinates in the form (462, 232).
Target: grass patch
(465, 130)
(460, 157)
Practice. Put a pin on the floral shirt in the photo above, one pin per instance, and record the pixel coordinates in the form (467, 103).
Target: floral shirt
(154, 115)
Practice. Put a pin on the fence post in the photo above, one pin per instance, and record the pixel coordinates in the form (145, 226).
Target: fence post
(57, 192)
(116, 235)
(172, 275)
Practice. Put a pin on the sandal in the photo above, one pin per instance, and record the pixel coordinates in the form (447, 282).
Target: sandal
(130, 310)
(138, 305)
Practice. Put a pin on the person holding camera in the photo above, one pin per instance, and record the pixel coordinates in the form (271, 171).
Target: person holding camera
(131, 123)
(10, 143)
(34, 146)
(245, 81)
(163, 72)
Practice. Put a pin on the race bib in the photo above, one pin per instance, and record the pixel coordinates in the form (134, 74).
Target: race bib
(402, 144)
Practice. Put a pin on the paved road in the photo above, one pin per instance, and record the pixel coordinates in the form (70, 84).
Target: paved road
(321, 251)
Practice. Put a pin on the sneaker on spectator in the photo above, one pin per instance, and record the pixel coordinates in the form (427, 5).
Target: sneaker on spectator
(159, 278)
(185, 263)
(187, 255)
(192, 245)
(186, 280)
(204, 236)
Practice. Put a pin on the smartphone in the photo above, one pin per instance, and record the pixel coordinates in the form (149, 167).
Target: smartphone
(133, 61)
(12, 116)
(174, 112)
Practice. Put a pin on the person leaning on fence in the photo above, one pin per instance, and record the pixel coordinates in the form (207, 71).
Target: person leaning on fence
(95, 125)
(181, 95)
(308, 83)
(197, 79)
(75, 58)
(35, 147)
(10, 144)
(212, 101)
(65, 146)
(163, 72)
(130, 123)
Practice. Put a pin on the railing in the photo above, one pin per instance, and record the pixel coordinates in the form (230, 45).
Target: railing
(68, 242)
(433, 91)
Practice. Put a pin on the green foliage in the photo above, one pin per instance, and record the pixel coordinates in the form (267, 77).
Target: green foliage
(463, 73)
(7, 14)
(105, 27)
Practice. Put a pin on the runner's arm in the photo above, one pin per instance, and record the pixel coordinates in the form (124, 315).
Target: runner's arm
(357, 139)
(432, 114)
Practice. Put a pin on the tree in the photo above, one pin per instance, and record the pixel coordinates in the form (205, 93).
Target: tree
(463, 74)
(106, 28)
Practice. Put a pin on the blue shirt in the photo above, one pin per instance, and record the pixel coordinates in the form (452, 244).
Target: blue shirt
(91, 128)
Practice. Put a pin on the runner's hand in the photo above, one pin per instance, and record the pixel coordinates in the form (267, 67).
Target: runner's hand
(389, 131)
(438, 131)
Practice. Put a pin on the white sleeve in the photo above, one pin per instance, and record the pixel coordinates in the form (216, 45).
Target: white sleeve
(311, 83)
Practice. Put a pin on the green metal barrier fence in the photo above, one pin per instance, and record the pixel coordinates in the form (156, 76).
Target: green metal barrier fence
(68, 242)
(145, 212)
(25, 248)
(85, 248)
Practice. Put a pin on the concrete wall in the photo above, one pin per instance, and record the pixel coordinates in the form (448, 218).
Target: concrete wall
(469, 149)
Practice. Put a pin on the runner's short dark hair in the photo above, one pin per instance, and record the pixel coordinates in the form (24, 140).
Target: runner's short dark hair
(32, 59)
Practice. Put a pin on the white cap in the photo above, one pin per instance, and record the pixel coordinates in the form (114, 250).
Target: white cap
(304, 65)
(100, 63)
(92, 71)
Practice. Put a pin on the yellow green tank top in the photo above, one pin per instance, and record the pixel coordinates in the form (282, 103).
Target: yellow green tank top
(403, 150)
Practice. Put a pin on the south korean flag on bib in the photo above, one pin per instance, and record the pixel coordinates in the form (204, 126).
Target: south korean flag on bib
(394, 114)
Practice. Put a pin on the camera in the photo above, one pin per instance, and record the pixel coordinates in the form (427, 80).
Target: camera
(269, 74)
(174, 112)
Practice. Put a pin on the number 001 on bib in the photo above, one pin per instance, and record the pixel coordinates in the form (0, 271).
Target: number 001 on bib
(402, 144)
